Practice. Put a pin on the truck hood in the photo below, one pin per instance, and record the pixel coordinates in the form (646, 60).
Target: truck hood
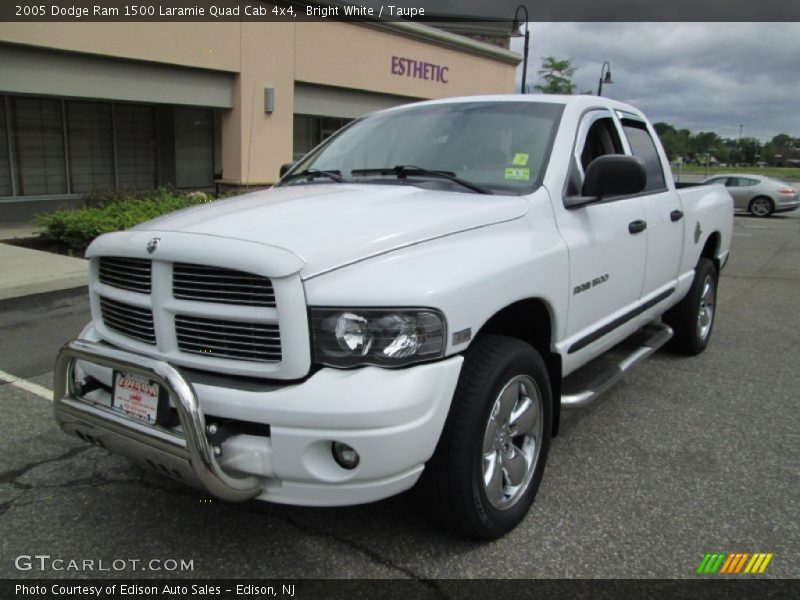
(332, 225)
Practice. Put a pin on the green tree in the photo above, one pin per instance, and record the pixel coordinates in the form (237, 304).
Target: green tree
(557, 75)
(750, 149)
(675, 142)
(779, 148)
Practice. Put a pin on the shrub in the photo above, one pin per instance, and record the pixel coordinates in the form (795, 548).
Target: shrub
(112, 212)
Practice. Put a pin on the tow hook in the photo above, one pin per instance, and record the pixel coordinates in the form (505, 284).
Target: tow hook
(218, 433)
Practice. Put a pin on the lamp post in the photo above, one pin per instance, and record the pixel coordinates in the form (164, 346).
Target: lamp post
(607, 79)
(524, 8)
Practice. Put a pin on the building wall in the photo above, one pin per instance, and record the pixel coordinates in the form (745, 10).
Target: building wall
(202, 45)
(260, 55)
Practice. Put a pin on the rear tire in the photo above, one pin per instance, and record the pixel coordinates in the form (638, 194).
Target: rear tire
(692, 318)
(490, 459)
(761, 206)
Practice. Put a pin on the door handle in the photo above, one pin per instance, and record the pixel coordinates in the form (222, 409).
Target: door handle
(676, 215)
(637, 226)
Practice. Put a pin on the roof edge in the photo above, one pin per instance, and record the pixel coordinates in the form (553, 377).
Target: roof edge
(440, 37)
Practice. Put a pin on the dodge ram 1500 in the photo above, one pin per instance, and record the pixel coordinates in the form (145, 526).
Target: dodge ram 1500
(406, 306)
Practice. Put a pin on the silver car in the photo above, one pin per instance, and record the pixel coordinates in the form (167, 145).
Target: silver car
(759, 195)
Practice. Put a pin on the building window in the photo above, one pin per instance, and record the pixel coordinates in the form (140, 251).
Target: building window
(90, 138)
(6, 188)
(56, 147)
(309, 131)
(39, 146)
(136, 146)
(194, 148)
(303, 136)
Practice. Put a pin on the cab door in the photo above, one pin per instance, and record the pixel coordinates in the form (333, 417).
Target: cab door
(607, 250)
(666, 223)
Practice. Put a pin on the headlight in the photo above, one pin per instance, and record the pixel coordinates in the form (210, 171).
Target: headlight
(376, 336)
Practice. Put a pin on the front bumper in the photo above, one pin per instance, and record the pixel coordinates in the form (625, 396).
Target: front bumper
(393, 418)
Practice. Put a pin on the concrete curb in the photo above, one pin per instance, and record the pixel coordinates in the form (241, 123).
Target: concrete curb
(24, 271)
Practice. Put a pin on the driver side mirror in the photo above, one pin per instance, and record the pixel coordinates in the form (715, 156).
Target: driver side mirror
(614, 175)
(286, 167)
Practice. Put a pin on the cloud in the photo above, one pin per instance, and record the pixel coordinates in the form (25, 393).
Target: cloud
(699, 76)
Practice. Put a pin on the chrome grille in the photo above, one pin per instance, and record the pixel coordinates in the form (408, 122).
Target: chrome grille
(225, 286)
(259, 342)
(126, 273)
(128, 320)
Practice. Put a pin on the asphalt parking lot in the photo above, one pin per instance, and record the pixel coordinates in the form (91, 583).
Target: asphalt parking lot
(683, 457)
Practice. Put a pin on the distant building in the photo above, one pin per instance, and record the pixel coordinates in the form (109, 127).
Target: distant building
(199, 104)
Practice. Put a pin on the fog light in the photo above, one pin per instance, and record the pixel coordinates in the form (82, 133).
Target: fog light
(345, 456)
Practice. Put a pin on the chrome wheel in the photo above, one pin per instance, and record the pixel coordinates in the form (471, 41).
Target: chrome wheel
(705, 312)
(512, 442)
(761, 207)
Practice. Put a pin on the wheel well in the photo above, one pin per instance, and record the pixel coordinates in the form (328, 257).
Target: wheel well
(711, 247)
(530, 321)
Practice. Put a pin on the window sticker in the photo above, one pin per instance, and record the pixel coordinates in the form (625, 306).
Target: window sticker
(518, 174)
(520, 159)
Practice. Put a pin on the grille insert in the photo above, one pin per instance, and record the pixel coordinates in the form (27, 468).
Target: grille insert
(224, 286)
(126, 273)
(258, 342)
(131, 321)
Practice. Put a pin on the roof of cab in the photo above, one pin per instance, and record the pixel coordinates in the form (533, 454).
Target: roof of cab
(580, 102)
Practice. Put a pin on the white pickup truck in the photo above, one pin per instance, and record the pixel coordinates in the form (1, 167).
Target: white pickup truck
(409, 304)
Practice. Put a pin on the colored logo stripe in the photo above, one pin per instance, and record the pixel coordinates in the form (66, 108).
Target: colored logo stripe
(734, 562)
(758, 563)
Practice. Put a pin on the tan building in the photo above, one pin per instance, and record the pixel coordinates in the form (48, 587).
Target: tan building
(198, 105)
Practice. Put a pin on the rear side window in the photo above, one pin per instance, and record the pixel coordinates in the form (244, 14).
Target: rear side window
(742, 182)
(642, 145)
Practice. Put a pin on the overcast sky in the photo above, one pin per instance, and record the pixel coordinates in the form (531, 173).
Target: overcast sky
(699, 76)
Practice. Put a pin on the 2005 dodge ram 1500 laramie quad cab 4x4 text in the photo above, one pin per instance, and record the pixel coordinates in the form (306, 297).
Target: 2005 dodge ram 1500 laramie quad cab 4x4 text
(403, 307)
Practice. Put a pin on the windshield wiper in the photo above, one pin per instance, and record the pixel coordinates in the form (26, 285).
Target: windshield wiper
(403, 171)
(310, 174)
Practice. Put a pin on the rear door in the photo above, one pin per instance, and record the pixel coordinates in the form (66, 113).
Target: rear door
(663, 212)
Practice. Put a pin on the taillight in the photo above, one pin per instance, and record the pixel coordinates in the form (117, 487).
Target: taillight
(789, 191)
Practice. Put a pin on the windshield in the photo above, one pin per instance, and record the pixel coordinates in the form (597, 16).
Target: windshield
(500, 146)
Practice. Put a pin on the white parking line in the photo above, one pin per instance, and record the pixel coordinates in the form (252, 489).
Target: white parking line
(28, 386)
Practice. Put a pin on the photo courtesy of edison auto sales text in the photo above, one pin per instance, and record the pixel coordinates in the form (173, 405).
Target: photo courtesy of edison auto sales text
(125, 589)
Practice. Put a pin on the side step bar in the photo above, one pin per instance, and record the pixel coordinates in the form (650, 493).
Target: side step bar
(661, 334)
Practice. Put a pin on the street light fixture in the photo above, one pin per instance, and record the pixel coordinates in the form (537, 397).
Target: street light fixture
(524, 8)
(607, 79)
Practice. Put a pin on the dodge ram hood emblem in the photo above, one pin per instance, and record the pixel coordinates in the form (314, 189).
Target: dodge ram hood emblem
(152, 245)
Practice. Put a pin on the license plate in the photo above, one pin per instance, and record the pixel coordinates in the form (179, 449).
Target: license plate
(136, 396)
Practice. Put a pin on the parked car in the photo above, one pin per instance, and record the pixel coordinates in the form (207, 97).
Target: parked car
(400, 309)
(758, 195)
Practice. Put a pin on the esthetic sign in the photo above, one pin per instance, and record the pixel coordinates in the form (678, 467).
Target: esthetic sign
(409, 67)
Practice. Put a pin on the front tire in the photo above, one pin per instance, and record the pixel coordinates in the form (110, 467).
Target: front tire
(491, 456)
(692, 318)
(761, 206)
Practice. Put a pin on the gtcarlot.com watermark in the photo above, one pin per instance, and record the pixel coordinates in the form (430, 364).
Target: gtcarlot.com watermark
(48, 563)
